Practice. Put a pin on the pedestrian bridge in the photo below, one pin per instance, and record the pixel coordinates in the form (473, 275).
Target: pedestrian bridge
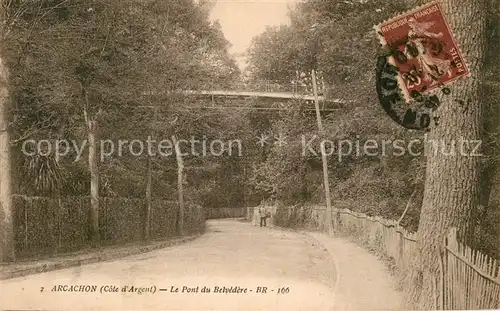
(280, 95)
(260, 89)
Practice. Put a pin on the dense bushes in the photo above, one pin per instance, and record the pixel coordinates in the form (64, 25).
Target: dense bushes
(49, 225)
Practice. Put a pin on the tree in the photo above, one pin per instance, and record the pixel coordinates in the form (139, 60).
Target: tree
(79, 72)
(452, 184)
(6, 208)
(337, 38)
(273, 54)
(487, 231)
(180, 184)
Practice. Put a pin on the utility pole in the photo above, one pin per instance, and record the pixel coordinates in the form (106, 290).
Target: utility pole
(326, 181)
(7, 253)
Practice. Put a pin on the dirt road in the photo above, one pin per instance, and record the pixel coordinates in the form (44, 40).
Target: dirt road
(244, 267)
(230, 255)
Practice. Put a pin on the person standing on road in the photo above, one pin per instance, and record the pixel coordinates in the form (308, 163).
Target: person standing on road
(263, 215)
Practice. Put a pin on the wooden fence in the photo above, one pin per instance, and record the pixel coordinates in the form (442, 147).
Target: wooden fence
(225, 212)
(467, 278)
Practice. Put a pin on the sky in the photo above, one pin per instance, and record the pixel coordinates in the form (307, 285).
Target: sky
(241, 20)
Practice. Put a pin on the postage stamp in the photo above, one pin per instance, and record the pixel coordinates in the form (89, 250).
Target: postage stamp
(423, 50)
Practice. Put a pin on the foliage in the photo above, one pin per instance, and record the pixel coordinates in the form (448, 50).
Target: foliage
(120, 62)
(337, 38)
(84, 59)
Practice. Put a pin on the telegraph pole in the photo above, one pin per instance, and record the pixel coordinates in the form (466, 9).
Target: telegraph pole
(326, 181)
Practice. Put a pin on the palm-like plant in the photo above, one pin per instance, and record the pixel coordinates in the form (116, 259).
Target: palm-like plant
(43, 174)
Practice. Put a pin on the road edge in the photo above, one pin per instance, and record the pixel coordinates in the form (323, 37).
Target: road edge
(345, 282)
(98, 256)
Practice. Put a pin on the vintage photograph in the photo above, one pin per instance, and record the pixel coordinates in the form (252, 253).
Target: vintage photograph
(275, 155)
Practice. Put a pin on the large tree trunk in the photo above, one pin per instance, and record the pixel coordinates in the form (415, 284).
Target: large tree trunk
(452, 181)
(6, 207)
(491, 192)
(493, 208)
(180, 184)
(94, 182)
(147, 221)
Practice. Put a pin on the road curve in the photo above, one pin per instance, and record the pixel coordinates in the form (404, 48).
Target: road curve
(231, 257)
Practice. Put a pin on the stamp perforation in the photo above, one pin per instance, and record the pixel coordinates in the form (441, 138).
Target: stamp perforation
(428, 66)
(410, 11)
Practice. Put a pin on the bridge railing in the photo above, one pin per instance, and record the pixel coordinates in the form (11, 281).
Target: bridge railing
(274, 87)
(266, 87)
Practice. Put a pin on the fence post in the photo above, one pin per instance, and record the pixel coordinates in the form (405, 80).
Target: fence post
(450, 241)
(26, 229)
(401, 246)
(59, 223)
(435, 291)
(442, 286)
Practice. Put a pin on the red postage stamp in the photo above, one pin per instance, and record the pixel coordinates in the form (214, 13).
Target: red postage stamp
(423, 50)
